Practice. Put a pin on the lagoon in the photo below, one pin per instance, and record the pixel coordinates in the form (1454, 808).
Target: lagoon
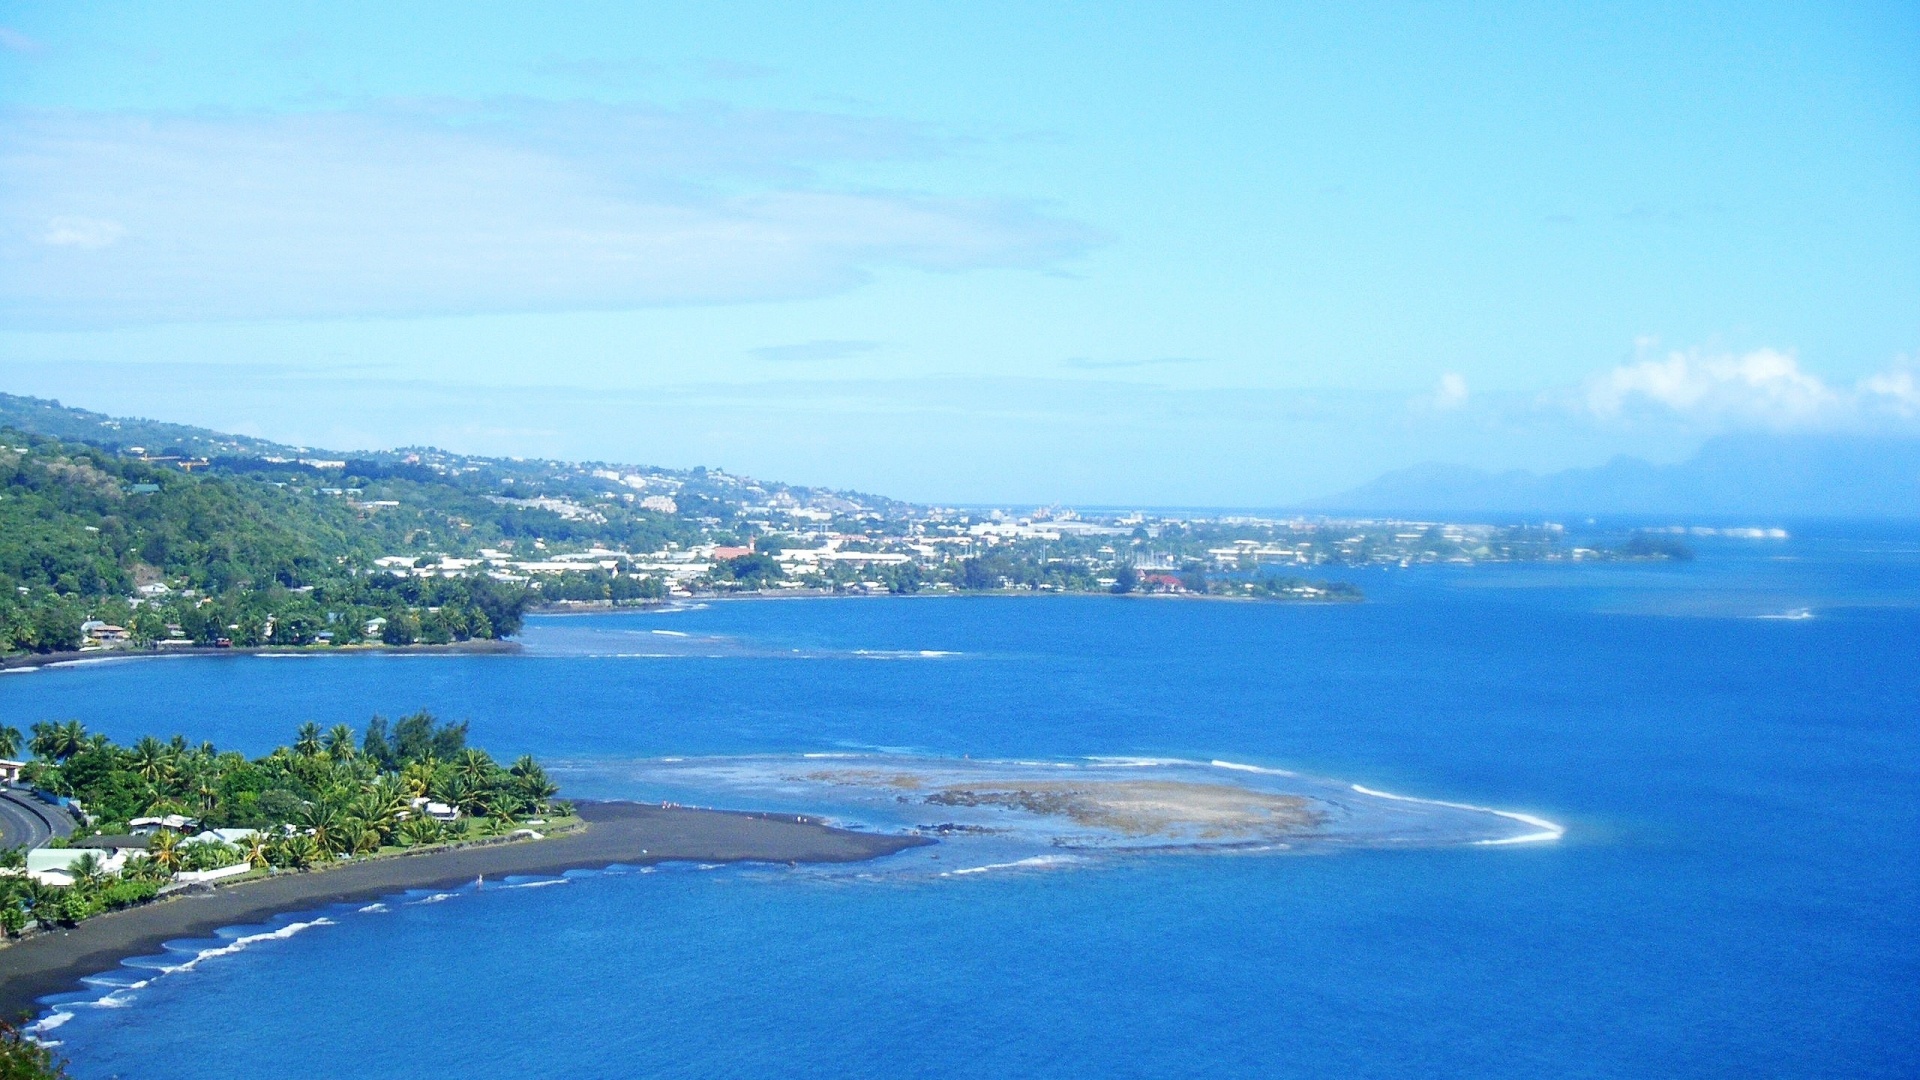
(1734, 892)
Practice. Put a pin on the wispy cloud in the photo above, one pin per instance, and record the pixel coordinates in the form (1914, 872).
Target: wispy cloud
(1085, 363)
(1763, 388)
(14, 41)
(81, 232)
(810, 351)
(1448, 395)
(452, 207)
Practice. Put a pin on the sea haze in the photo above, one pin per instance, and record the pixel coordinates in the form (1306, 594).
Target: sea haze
(1730, 744)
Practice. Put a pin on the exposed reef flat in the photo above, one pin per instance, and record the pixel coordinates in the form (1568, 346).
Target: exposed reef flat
(1139, 809)
(1005, 810)
(616, 833)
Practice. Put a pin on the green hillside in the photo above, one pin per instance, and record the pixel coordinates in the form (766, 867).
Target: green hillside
(209, 555)
(182, 533)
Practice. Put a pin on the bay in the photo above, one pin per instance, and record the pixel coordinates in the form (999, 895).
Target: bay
(1731, 745)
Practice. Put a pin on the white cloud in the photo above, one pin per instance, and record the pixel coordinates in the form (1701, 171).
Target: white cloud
(1449, 394)
(14, 41)
(1763, 388)
(1894, 390)
(81, 232)
(445, 207)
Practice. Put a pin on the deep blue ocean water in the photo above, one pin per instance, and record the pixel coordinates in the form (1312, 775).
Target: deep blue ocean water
(1738, 892)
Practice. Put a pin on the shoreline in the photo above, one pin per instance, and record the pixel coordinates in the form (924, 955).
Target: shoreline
(508, 646)
(632, 834)
(28, 661)
(602, 607)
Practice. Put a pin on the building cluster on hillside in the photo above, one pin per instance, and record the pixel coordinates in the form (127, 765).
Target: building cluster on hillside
(845, 545)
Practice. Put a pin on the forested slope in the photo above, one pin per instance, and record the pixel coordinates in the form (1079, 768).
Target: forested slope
(216, 556)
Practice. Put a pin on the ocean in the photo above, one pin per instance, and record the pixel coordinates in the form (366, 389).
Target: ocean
(1731, 746)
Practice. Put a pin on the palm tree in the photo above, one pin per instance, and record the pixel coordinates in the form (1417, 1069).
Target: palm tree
(325, 823)
(474, 766)
(10, 739)
(152, 760)
(13, 858)
(306, 741)
(164, 850)
(258, 849)
(88, 871)
(206, 796)
(420, 829)
(339, 742)
(142, 868)
(383, 802)
(419, 777)
(42, 901)
(367, 839)
(41, 745)
(299, 851)
(464, 795)
(500, 820)
(533, 786)
(58, 742)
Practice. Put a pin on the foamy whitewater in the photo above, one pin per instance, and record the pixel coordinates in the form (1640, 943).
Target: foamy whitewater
(1605, 821)
(1007, 813)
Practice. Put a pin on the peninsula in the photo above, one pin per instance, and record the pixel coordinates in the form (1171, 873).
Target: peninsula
(614, 833)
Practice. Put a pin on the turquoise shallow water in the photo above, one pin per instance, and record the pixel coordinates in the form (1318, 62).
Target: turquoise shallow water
(1738, 892)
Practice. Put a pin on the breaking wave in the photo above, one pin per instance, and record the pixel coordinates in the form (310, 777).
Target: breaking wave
(998, 814)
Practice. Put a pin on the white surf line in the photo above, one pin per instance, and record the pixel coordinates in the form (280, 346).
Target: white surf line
(1548, 830)
(1236, 766)
(1034, 860)
(239, 944)
(121, 996)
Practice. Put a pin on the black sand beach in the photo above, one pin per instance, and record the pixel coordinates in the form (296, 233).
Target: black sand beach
(54, 659)
(616, 833)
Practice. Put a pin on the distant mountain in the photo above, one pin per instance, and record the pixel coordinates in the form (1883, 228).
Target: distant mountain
(1777, 475)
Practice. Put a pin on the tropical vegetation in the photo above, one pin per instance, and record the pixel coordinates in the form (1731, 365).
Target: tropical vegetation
(215, 558)
(24, 1058)
(328, 795)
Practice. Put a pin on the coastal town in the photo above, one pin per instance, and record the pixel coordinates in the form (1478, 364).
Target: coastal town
(106, 518)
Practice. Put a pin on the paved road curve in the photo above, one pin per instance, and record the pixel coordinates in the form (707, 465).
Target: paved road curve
(27, 822)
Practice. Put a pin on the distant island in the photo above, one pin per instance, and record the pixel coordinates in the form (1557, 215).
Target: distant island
(122, 534)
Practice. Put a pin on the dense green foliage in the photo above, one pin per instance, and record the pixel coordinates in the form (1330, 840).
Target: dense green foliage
(250, 561)
(332, 794)
(21, 1058)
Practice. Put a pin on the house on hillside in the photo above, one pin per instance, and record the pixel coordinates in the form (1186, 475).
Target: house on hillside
(100, 631)
(438, 811)
(54, 866)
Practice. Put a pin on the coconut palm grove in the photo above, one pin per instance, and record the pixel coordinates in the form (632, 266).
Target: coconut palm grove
(156, 810)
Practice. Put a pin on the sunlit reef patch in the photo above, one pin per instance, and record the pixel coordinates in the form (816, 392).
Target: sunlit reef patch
(1003, 809)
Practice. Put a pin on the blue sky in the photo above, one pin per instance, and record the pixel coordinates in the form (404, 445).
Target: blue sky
(1167, 254)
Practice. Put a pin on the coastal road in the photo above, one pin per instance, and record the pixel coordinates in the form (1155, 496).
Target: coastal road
(27, 822)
